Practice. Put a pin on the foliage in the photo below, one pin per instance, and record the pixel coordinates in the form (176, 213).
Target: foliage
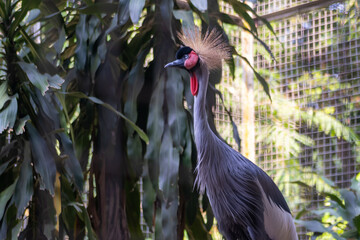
(339, 216)
(86, 110)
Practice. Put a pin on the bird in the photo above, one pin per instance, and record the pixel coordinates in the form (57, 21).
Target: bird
(246, 203)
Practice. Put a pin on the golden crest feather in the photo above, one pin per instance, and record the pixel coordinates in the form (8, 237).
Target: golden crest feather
(211, 47)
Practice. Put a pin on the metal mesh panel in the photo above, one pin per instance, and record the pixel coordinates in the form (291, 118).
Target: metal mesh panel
(317, 68)
(270, 6)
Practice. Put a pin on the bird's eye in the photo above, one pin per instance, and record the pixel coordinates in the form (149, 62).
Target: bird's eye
(186, 56)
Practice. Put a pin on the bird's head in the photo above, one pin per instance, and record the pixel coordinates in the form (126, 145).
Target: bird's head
(188, 59)
(200, 49)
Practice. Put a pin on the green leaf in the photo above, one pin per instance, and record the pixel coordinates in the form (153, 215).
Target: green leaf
(168, 184)
(36, 78)
(201, 5)
(100, 7)
(3, 95)
(82, 41)
(71, 164)
(186, 17)
(135, 9)
(44, 162)
(155, 128)
(8, 114)
(3, 167)
(108, 106)
(176, 113)
(263, 82)
(312, 226)
(33, 14)
(356, 221)
(334, 198)
(20, 125)
(24, 187)
(5, 196)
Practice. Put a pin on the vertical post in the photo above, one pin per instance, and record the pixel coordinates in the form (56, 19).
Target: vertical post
(247, 94)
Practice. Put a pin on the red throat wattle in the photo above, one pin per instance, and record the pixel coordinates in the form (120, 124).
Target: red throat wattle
(194, 84)
(189, 64)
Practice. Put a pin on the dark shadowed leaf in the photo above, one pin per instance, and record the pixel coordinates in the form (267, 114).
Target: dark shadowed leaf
(24, 187)
(71, 163)
(108, 106)
(197, 230)
(176, 113)
(5, 197)
(99, 7)
(168, 178)
(3, 166)
(133, 210)
(155, 128)
(356, 221)
(44, 162)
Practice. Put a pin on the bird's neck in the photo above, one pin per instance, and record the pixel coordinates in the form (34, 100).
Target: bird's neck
(201, 125)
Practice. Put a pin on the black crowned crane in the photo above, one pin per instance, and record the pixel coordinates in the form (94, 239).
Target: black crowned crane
(246, 202)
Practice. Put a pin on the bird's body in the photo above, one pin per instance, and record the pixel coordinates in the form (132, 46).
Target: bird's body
(246, 202)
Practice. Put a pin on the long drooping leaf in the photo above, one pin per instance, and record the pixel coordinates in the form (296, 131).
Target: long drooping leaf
(235, 131)
(262, 81)
(108, 106)
(99, 7)
(5, 197)
(71, 163)
(176, 113)
(135, 9)
(24, 187)
(44, 162)
(134, 85)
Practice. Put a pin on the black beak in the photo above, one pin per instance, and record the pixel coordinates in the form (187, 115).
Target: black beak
(176, 63)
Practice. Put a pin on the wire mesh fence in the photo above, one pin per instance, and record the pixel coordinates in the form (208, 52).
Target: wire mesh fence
(317, 69)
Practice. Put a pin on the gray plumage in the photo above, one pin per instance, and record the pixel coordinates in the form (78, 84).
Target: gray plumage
(246, 202)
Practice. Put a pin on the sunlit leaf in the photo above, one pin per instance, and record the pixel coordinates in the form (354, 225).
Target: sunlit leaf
(200, 4)
(135, 9)
(8, 114)
(41, 81)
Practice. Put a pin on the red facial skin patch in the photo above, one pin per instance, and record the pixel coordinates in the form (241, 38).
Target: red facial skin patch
(189, 64)
(194, 84)
(191, 61)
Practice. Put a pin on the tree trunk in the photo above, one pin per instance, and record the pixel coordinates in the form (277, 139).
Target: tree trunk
(107, 207)
(247, 96)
